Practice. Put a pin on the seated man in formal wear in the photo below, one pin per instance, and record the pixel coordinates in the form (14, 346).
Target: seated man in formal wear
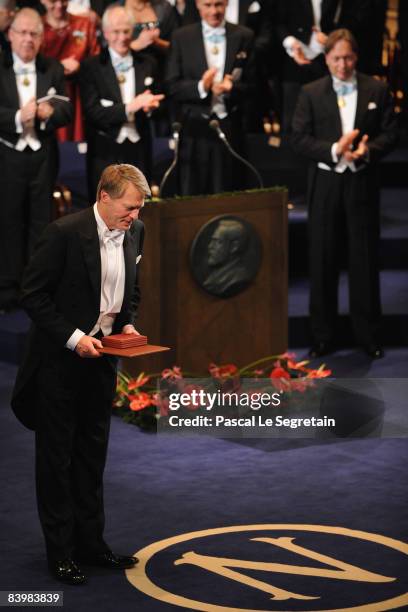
(116, 90)
(344, 123)
(208, 74)
(28, 156)
(80, 285)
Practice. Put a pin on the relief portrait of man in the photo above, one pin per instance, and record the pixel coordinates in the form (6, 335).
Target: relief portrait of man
(230, 256)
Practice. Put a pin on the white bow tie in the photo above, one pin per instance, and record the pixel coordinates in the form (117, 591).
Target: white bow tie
(114, 236)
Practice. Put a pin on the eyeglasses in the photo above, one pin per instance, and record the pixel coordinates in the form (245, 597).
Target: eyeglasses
(25, 33)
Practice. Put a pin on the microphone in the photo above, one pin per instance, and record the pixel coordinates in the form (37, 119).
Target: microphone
(215, 125)
(176, 129)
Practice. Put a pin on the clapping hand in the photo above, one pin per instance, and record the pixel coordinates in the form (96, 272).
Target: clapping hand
(358, 153)
(224, 87)
(145, 101)
(146, 38)
(208, 78)
(44, 111)
(71, 65)
(298, 54)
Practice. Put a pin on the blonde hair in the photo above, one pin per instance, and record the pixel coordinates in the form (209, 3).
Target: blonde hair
(115, 178)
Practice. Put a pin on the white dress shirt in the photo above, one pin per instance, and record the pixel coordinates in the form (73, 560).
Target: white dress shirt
(215, 60)
(347, 111)
(26, 81)
(112, 280)
(127, 91)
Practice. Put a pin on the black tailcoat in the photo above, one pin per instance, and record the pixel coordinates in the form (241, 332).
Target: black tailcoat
(105, 114)
(27, 177)
(204, 163)
(344, 208)
(68, 400)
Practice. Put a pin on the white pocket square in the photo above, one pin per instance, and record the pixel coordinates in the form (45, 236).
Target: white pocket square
(372, 105)
(138, 258)
(106, 103)
(52, 91)
(255, 7)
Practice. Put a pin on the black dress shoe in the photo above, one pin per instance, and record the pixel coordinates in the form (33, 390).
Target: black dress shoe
(67, 571)
(319, 349)
(374, 351)
(109, 560)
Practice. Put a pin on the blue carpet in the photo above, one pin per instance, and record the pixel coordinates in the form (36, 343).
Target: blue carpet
(158, 487)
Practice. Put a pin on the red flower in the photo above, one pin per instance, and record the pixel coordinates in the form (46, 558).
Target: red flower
(293, 365)
(320, 373)
(134, 383)
(279, 372)
(140, 401)
(224, 371)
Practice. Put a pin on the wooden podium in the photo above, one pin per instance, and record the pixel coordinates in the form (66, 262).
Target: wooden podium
(201, 328)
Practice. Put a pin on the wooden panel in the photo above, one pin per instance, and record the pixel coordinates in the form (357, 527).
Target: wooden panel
(177, 312)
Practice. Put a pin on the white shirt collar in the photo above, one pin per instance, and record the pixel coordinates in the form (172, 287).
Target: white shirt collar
(18, 63)
(209, 28)
(115, 57)
(102, 227)
(352, 80)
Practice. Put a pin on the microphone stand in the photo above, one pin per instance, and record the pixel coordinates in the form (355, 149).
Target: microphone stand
(215, 125)
(176, 137)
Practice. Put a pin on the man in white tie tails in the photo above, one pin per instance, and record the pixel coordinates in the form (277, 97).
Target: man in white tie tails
(80, 284)
(209, 72)
(117, 90)
(344, 123)
(28, 156)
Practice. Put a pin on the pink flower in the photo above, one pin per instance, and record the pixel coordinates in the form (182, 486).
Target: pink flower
(173, 373)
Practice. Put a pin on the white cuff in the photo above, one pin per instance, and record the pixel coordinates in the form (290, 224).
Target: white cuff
(201, 91)
(17, 120)
(74, 339)
(288, 43)
(334, 155)
(129, 114)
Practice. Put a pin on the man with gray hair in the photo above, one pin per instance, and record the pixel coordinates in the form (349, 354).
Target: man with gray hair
(117, 95)
(80, 285)
(28, 155)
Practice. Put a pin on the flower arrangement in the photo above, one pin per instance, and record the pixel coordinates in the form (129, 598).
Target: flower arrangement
(140, 400)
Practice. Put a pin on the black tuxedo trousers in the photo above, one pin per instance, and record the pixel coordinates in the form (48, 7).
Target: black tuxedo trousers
(74, 407)
(27, 179)
(342, 205)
